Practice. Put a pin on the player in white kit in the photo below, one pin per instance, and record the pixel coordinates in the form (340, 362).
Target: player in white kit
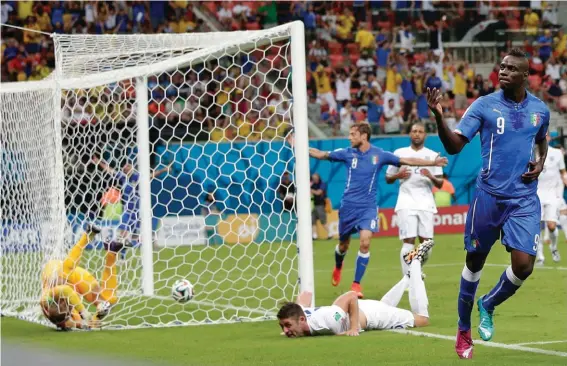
(551, 182)
(416, 207)
(349, 316)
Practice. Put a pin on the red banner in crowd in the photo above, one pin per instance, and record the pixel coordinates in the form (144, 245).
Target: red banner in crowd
(448, 220)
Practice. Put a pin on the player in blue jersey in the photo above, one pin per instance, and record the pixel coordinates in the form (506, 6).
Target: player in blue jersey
(128, 178)
(359, 211)
(511, 122)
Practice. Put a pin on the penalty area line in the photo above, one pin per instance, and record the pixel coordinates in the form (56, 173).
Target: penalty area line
(539, 343)
(515, 347)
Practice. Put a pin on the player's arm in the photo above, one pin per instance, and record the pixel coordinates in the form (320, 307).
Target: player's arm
(349, 303)
(437, 180)
(536, 167)
(103, 165)
(305, 299)
(318, 154)
(564, 176)
(452, 141)
(439, 161)
(158, 172)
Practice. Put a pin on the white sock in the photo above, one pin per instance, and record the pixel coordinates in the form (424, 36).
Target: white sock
(553, 239)
(539, 255)
(406, 248)
(563, 222)
(417, 294)
(545, 234)
(395, 294)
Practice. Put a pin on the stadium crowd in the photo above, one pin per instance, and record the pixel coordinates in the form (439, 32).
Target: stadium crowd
(363, 61)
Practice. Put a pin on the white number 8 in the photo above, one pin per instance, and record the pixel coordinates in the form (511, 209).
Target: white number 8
(500, 124)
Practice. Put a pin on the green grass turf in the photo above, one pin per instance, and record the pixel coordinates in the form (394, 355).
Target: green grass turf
(537, 313)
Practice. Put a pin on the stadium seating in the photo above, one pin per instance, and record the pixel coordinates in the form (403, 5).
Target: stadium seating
(336, 25)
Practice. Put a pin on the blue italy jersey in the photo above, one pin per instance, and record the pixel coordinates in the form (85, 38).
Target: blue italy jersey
(508, 133)
(129, 190)
(363, 167)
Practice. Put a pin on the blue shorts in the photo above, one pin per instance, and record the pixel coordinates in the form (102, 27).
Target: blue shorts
(129, 221)
(515, 221)
(354, 219)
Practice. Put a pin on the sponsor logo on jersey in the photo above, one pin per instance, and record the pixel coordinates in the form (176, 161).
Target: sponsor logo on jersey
(375, 160)
(338, 316)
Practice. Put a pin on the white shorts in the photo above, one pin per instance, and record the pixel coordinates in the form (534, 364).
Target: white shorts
(562, 205)
(415, 223)
(380, 315)
(550, 211)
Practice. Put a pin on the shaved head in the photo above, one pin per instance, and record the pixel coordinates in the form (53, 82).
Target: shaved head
(513, 72)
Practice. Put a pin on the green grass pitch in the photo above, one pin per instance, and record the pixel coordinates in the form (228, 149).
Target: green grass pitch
(535, 317)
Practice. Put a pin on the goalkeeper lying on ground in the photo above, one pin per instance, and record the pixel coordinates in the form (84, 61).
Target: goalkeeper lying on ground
(349, 316)
(65, 284)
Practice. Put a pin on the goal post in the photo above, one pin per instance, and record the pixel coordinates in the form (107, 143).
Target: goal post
(211, 109)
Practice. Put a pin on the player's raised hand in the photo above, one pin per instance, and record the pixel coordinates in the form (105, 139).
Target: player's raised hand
(535, 169)
(404, 173)
(433, 101)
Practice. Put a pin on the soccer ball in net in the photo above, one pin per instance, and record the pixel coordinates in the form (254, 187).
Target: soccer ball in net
(182, 291)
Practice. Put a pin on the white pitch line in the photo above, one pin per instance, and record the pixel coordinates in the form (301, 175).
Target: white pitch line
(487, 344)
(539, 343)
(439, 265)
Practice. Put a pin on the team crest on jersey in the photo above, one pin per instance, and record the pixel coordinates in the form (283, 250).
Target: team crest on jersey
(337, 316)
(535, 119)
(375, 160)
(476, 243)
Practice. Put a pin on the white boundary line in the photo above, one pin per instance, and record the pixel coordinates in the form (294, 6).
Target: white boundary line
(547, 342)
(515, 347)
(439, 265)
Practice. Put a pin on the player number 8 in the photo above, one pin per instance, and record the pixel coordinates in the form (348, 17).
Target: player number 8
(500, 125)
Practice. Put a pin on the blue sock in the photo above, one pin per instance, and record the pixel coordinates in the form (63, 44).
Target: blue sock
(361, 263)
(339, 257)
(467, 291)
(505, 288)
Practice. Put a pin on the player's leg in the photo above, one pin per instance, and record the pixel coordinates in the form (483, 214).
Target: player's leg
(74, 255)
(540, 256)
(553, 237)
(520, 234)
(482, 229)
(417, 293)
(367, 225)
(408, 232)
(347, 222)
(394, 295)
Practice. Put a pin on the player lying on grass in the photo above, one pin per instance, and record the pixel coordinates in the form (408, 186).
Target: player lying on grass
(65, 284)
(348, 315)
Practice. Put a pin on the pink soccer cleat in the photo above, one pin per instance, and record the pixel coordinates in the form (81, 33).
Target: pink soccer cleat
(464, 345)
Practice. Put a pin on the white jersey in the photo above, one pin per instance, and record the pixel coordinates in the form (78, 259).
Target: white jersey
(549, 181)
(327, 320)
(416, 191)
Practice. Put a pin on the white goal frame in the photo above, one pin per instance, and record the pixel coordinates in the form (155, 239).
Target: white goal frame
(63, 79)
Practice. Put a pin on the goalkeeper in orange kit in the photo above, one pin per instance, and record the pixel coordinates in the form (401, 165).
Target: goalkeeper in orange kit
(65, 284)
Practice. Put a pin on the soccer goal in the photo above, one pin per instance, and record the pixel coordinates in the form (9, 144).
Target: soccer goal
(177, 142)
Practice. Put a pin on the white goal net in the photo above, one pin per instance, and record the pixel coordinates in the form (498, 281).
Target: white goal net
(176, 143)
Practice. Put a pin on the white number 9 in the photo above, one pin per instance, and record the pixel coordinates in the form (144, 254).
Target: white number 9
(500, 124)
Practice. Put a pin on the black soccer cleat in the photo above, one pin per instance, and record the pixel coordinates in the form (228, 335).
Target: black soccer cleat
(117, 245)
(91, 228)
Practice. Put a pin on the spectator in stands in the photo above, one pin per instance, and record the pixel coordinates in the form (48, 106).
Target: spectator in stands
(310, 22)
(343, 85)
(383, 57)
(545, 43)
(286, 192)
(317, 54)
(374, 112)
(549, 17)
(268, 13)
(433, 80)
(408, 93)
(560, 42)
(319, 209)
(553, 70)
(346, 117)
(406, 39)
(313, 109)
(365, 39)
(393, 121)
(531, 24)
(324, 90)
(446, 194)
(366, 65)
(393, 81)
(460, 89)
